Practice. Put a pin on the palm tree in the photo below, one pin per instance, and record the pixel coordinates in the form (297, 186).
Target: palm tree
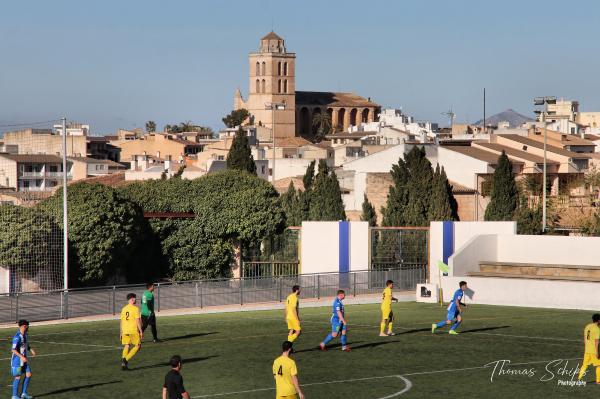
(150, 126)
(322, 121)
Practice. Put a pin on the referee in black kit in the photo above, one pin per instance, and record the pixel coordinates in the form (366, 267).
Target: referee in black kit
(173, 387)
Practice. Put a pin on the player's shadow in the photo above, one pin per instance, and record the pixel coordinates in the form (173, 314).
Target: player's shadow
(335, 346)
(475, 330)
(77, 388)
(188, 336)
(167, 364)
(415, 330)
(372, 345)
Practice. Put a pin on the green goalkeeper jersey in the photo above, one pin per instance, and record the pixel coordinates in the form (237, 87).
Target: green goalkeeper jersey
(147, 303)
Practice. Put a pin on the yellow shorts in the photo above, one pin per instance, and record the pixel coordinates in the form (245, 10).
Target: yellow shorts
(293, 324)
(287, 397)
(590, 359)
(130, 339)
(387, 314)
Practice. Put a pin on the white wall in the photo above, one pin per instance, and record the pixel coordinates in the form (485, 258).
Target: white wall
(460, 168)
(359, 246)
(550, 250)
(320, 247)
(524, 292)
(290, 167)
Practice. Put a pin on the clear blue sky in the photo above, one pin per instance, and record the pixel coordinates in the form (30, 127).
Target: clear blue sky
(120, 63)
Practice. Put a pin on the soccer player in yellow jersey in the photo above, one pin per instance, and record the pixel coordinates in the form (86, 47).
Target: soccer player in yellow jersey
(387, 316)
(131, 330)
(292, 313)
(286, 375)
(591, 335)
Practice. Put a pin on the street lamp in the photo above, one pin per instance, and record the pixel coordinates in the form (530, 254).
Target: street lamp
(273, 107)
(544, 101)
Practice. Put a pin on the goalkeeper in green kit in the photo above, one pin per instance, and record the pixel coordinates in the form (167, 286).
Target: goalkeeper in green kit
(148, 316)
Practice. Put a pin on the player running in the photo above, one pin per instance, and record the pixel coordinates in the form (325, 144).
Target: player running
(130, 331)
(292, 313)
(387, 316)
(286, 375)
(591, 335)
(454, 311)
(19, 362)
(148, 316)
(338, 323)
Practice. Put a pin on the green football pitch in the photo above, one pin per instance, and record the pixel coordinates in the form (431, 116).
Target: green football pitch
(229, 355)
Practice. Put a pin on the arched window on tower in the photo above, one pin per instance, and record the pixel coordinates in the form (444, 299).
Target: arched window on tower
(264, 68)
(279, 68)
(257, 88)
(285, 86)
(263, 86)
(279, 86)
(257, 68)
(285, 68)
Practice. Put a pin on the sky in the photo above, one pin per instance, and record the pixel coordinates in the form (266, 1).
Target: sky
(116, 64)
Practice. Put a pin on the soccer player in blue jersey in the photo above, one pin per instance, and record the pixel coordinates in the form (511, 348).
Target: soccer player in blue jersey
(338, 323)
(454, 311)
(19, 362)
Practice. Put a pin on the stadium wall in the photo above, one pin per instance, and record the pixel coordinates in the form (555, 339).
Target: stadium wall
(334, 247)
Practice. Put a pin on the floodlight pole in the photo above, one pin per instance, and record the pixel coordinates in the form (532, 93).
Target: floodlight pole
(545, 169)
(65, 218)
(273, 107)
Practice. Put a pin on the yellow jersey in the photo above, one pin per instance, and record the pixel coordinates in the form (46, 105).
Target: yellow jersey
(386, 301)
(292, 302)
(590, 334)
(283, 370)
(129, 319)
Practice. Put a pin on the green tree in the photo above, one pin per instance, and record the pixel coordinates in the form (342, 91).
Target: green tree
(29, 238)
(103, 231)
(397, 200)
(309, 176)
(439, 202)
(290, 202)
(187, 126)
(326, 202)
(236, 118)
(368, 212)
(419, 187)
(240, 156)
(529, 221)
(503, 201)
(322, 121)
(150, 126)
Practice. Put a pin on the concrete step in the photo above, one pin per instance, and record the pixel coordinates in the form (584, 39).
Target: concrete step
(532, 276)
(526, 269)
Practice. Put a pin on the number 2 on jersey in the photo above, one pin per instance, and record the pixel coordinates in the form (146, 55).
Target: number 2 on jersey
(126, 315)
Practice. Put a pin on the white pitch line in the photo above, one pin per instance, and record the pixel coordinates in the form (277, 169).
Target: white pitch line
(408, 386)
(76, 344)
(68, 353)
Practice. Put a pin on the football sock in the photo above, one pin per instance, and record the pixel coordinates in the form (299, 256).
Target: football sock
(390, 327)
(598, 374)
(132, 352)
(441, 324)
(124, 354)
(293, 337)
(327, 339)
(382, 329)
(583, 369)
(16, 386)
(25, 385)
(343, 339)
(455, 325)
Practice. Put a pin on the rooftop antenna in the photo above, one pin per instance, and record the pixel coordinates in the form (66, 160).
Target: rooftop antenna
(450, 114)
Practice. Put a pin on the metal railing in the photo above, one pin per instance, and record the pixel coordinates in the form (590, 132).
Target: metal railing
(200, 294)
(271, 268)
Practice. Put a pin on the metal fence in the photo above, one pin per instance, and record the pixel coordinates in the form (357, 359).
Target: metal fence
(200, 294)
(402, 248)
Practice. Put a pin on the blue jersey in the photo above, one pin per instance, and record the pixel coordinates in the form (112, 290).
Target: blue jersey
(337, 306)
(458, 295)
(20, 344)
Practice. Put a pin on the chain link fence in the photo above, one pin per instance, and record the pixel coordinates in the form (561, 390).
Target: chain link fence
(399, 248)
(201, 294)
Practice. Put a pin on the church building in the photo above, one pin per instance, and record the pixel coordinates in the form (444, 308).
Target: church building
(273, 80)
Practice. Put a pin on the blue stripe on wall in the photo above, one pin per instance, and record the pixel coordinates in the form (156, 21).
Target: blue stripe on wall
(344, 259)
(448, 241)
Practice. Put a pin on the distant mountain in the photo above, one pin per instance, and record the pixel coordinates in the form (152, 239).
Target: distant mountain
(511, 116)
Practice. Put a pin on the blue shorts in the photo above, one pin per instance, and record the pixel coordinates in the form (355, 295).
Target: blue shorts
(20, 370)
(452, 314)
(337, 326)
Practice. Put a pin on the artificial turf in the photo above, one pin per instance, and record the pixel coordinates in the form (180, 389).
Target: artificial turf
(233, 352)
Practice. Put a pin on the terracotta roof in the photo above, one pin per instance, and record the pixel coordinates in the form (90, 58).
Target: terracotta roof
(94, 160)
(478, 153)
(540, 145)
(33, 158)
(516, 153)
(460, 189)
(282, 185)
(271, 36)
(332, 99)
(112, 180)
(291, 142)
(592, 137)
(348, 135)
(566, 139)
